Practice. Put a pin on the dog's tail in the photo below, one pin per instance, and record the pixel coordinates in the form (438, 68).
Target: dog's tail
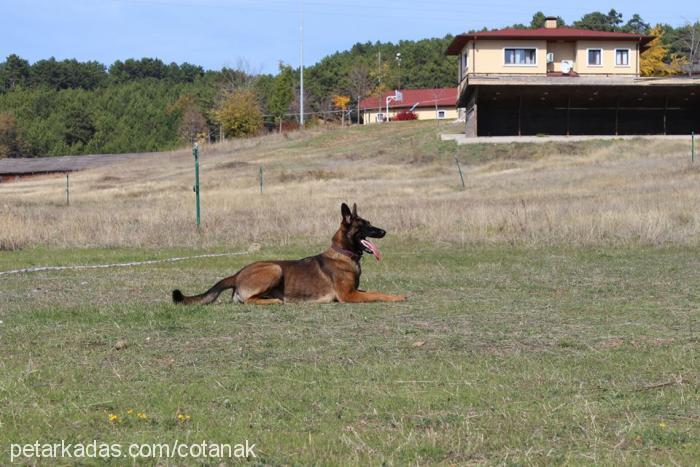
(207, 297)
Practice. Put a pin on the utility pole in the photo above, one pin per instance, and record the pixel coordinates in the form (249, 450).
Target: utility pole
(301, 67)
(398, 61)
(379, 74)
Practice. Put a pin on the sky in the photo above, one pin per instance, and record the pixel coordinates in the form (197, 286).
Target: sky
(257, 35)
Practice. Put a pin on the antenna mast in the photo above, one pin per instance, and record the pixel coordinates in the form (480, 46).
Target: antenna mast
(301, 67)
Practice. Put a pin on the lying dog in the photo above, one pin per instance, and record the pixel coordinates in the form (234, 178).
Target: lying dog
(333, 275)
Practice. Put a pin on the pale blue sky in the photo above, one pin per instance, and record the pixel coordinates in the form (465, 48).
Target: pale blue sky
(216, 33)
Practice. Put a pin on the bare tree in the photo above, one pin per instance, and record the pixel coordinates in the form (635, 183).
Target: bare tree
(241, 76)
(689, 43)
(192, 124)
(309, 103)
(359, 83)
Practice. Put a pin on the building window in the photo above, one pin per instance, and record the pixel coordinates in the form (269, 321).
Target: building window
(595, 57)
(380, 117)
(441, 114)
(521, 56)
(622, 57)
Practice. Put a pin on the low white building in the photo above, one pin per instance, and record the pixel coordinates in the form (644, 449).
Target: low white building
(427, 104)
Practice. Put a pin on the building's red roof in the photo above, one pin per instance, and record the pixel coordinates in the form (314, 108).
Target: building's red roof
(411, 97)
(559, 33)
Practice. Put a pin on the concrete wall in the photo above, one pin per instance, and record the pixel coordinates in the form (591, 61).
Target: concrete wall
(429, 114)
(608, 66)
(424, 113)
(562, 51)
(488, 56)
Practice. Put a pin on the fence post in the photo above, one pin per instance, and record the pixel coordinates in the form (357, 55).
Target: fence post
(461, 177)
(195, 153)
(67, 190)
(261, 180)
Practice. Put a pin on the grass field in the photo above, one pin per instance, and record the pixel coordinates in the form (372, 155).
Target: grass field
(402, 177)
(552, 315)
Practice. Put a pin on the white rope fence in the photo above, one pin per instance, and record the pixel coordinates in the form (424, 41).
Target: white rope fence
(117, 265)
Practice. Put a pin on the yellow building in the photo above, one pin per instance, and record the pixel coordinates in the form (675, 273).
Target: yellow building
(559, 80)
(426, 104)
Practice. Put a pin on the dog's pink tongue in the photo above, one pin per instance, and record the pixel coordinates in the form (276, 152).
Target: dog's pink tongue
(373, 248)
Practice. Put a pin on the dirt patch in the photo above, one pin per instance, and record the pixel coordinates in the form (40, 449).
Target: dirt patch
(317, 174)
(232, 165)
(611, 343)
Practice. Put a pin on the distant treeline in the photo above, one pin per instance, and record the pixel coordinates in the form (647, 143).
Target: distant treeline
(54, 107)
(68, 107)
(57, 107)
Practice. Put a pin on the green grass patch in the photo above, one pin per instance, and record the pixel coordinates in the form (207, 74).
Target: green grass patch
(500, 355)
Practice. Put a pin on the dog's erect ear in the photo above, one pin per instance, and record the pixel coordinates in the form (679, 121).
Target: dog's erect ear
(354, 209)
(345, 211)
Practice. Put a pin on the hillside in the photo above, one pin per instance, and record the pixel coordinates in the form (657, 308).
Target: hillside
(400, 174)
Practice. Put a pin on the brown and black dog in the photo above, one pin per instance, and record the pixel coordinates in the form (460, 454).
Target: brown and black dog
(333, 275)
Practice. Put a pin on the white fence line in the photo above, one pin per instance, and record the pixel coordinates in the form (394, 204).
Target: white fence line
(117, 265)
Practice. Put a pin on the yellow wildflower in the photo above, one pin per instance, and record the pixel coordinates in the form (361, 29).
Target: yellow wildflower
(113, 418)
(142, 416)
(130, 411)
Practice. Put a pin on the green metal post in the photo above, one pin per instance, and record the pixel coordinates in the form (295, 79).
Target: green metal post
(261, 180)
(460, 171)
(195, 153)
(67, 191)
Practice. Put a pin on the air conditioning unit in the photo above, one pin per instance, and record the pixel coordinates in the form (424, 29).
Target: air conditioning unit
(567, 66)
(550, 57)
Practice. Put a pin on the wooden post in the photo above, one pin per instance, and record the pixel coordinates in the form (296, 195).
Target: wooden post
(461, 176)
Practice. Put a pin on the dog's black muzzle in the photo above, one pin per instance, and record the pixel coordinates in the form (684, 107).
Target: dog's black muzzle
(374, 232)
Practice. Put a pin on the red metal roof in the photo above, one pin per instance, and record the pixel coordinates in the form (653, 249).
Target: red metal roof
(560, 33)
(411, 97)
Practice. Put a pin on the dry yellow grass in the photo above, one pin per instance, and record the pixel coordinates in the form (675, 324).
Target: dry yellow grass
(401, 176)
